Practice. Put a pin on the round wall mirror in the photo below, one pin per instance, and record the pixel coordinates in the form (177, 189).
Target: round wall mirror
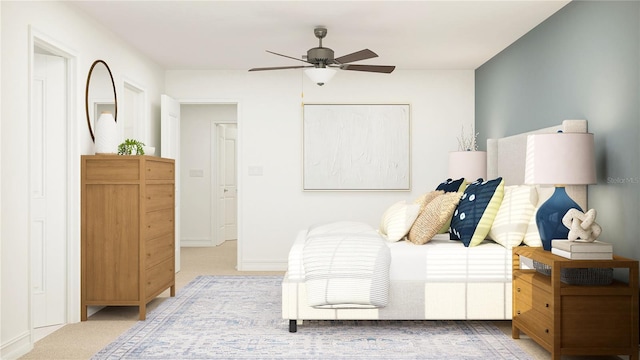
(100, 94)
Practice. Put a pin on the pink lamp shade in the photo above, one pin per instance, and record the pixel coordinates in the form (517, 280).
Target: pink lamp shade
(470, 165)
(560, 159)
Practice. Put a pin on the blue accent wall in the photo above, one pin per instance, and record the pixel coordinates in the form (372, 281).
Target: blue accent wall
(581, 63)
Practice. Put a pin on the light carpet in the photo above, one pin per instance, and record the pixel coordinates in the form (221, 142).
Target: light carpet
(239, 317)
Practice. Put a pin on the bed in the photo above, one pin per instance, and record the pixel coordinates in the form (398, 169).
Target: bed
(442, 279)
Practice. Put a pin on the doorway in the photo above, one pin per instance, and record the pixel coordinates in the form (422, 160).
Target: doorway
(208, 149)
(51, 194)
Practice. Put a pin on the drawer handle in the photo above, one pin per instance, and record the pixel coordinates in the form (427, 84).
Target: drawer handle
(546, 305)
(546, 331)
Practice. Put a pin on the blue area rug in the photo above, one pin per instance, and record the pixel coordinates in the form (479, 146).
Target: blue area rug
(239, 317)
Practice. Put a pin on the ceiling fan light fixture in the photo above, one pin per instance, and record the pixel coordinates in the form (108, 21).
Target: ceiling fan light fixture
(320, 76)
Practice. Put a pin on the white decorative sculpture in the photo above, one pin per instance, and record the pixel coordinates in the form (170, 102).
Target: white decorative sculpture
(581, 225)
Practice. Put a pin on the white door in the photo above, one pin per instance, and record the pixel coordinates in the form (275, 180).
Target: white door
(48, 191)
(227, 184)
(170, 148)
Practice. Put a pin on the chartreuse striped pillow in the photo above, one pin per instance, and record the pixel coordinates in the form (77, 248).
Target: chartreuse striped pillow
(476, 211)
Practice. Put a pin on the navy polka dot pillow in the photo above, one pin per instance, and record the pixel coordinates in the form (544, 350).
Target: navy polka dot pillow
(476, 211)
(451, 185)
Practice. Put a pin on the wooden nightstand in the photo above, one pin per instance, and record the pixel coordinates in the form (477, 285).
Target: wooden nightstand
(575, 319)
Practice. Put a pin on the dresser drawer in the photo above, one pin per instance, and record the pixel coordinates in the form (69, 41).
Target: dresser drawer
(159, 277)
(159, 223)
(111, 168)
(159, 197)
(158, 249)
(159, 170)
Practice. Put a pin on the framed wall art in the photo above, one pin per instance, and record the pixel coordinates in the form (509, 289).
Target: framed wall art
(356, 147)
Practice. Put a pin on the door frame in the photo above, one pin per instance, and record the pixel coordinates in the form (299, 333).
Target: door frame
(41, 40)
(239, 163)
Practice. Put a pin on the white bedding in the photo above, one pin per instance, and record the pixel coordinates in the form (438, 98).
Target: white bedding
(346, 266)
(440, 260)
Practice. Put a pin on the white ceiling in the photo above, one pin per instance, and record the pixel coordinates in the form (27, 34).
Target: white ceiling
(235, 34)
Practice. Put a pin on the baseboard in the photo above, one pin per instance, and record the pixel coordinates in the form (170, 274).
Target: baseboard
(16, 347)
(43, 332)
(196, 242)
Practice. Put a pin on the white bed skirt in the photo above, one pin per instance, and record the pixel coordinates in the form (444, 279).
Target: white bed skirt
(411, 300)
(441, 280)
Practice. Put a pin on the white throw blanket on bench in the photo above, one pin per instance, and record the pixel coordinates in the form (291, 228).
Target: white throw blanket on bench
(346, 266)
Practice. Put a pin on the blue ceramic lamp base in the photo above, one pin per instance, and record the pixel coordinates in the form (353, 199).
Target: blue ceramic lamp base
(550, 214)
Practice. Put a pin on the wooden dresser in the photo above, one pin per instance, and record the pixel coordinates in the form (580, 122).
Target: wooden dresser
(575, 319)
(128, 231)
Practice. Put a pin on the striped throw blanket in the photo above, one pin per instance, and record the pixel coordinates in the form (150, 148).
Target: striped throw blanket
(346, 266)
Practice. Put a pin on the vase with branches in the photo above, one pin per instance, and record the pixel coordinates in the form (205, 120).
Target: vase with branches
(468, 142)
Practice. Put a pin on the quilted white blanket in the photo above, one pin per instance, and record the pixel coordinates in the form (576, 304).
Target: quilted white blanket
(335, 277)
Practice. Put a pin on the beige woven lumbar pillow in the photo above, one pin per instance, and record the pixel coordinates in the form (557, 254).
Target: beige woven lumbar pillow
(433, 217)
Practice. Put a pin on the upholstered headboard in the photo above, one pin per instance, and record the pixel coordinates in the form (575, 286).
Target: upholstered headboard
(506, 157)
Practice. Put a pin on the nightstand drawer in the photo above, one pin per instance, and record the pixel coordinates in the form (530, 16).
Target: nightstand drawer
(536, 326)
(529, 296)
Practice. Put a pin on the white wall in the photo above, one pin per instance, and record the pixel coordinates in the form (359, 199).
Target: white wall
(61, 23)
(273, 207)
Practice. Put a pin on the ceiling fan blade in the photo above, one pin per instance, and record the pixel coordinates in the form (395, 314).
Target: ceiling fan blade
(290, 57)
(371, 68)
(358, 55)
(280, 68)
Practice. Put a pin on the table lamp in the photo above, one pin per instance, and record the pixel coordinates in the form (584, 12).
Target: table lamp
(470, 165)
(558, 159)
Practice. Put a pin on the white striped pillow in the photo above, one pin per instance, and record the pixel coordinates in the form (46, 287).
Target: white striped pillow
(397, 220)
(515, 212)
(532, 236)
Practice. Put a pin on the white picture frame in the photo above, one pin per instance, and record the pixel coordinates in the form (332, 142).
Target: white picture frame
(356, 147)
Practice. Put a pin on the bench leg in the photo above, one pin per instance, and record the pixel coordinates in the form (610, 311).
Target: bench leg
(293, 326)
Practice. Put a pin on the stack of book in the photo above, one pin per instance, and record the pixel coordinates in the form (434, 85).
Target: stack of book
(582, 250)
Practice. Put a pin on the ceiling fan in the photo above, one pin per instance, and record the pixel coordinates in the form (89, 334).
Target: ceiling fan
(322, 61)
